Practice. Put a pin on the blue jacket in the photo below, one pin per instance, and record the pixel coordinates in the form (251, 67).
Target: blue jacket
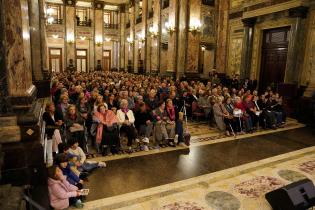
(72, 178)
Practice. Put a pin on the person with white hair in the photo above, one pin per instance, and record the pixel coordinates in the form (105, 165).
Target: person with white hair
(126, 120)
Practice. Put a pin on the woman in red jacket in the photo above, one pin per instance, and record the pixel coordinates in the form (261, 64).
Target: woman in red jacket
(245, 116)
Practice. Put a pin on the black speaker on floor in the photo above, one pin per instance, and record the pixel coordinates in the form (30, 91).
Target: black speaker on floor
(295, 196)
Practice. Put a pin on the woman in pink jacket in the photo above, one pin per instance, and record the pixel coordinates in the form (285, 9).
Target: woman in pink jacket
(61, 192)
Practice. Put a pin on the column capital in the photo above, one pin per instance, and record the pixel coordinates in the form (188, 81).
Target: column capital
(249, 22)
(300, 12)
(70, 2)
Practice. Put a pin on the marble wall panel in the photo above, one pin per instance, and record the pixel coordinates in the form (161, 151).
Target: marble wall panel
(122, 19)
(17, 46)
(208, 62)
(235, 56)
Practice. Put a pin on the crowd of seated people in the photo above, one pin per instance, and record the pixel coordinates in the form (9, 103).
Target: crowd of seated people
(149, 110)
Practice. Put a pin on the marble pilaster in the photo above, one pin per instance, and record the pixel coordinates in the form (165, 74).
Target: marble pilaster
(193, 38)
(36, 49)
(43, 35)
(247, 47)
(70, 38)
(222, 35)
(156, 41)
(98, 34)
(132, 36)
(144, 48)
(122, 26)
(295, 43)
(182, 27)
(172, 45)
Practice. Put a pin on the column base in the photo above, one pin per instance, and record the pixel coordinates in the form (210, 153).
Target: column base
(20, 104)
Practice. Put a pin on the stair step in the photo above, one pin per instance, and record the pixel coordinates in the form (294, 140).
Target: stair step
(8, 121)
(9, 134)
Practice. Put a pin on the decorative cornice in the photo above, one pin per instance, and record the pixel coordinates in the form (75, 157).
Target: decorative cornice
(235, 15)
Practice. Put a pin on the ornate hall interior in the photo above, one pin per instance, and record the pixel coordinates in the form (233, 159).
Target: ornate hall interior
(157, 104)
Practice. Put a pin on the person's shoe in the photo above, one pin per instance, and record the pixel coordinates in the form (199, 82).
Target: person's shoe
(79, 204)
(130, 150)
(137, 140)
(145, 148)
(145, 140)
(181, 144)
(101, 164)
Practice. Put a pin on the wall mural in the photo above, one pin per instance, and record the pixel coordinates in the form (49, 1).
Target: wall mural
(235, 53)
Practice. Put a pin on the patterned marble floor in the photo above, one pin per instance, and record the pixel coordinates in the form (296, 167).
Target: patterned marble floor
(202, 134)
(241, 187)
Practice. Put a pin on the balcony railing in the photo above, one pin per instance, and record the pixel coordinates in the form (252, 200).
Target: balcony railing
(110, 26)
(87, 23)
(166, 3)
(139, 19)
(57, 21)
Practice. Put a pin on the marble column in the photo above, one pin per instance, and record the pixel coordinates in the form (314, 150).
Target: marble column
(144, 49)
(247, 47)
(43, 36)
(292, 74)
(36, 49)
(70, 38)
(222, 21)
(182, 26)
(98, 32)
(131, 49)
(156, 40)
(193, 38)
(122, 41)
(16, 88)
(172, 45)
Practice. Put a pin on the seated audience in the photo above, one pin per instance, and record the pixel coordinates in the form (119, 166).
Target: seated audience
(126, 121)
(107, 135)
(143, 123)
(62, 194)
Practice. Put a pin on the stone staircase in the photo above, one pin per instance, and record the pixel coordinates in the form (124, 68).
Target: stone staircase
(9, 130)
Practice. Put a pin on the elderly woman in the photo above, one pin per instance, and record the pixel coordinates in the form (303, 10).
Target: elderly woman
(126, 120)
(75, 126)
(99, 100)
(107, 130)
(64, 104)
(239, 105)
(164, 125)
(222, 117)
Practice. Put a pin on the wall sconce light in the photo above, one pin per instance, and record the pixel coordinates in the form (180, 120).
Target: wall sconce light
(70, 38)
(169, 27)
(55, 36)
(129, 40)
(203, 48)
(153, 30)
(49, 11)
(98, 41)
(141, 37)
(108, 39)
(83, 38)
(194, 26)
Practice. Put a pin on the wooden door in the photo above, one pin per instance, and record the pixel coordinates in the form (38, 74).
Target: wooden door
(274, 57)
(106, 60)
(55, 59)
(81, 57)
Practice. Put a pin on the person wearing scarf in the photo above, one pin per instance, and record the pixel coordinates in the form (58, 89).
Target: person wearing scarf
(126, 120)
(107, 134)
(75, 126)
(170, 126)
